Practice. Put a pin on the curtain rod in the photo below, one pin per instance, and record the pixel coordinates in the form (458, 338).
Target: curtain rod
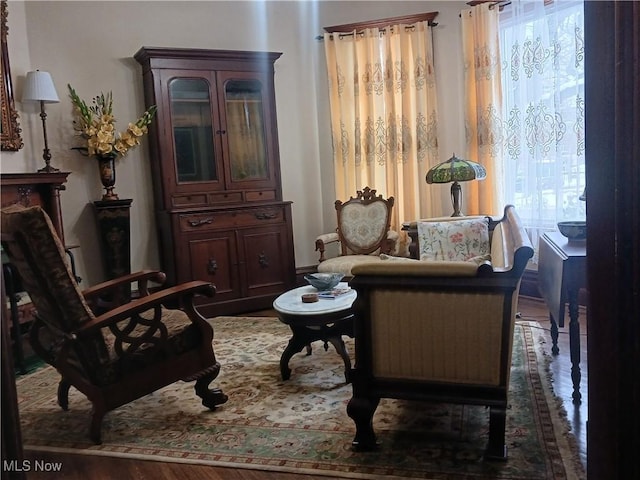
(361, 33)
(500, 4)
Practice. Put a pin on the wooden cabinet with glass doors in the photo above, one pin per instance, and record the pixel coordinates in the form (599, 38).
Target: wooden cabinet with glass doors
(216, 174)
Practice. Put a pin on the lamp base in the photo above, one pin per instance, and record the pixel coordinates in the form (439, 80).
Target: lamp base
(456, 191)
(46, 154)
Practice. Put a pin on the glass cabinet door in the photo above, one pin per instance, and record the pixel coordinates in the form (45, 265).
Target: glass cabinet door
(243, 101)
(194, 152)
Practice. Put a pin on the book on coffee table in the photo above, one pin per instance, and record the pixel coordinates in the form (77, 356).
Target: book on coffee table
(334, 293)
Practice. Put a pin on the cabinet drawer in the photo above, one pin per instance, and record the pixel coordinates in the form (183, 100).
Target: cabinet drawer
(202, 199)
(225, 197)
(259, 216)
(197, 222)
(261, 195)
(193, 199)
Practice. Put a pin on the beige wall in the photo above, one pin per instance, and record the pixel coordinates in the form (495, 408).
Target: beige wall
(91, 46)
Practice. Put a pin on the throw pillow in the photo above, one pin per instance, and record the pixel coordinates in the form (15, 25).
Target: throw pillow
(461, 240)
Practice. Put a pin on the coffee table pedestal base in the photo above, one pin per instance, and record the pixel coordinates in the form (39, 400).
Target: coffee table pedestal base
(305, 335)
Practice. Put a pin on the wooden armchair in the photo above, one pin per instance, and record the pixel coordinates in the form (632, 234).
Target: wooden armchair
(363, 232)
(113, 353)
(439, 331)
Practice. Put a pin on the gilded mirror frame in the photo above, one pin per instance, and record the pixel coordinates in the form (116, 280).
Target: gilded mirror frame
(10, 134)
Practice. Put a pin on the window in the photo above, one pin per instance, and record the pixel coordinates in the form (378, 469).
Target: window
(542, 52)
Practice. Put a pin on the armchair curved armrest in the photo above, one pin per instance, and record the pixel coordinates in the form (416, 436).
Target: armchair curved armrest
(139, 325)
(108, 295)
(183, 293)
(323, 240)
(142, 277)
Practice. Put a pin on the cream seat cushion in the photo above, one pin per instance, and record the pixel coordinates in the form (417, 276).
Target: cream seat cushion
(344, 263)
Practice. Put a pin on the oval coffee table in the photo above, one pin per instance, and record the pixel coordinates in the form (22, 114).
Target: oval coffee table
(326, 320)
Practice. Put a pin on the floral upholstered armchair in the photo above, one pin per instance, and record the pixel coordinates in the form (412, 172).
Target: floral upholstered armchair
(112, 352)
(441, 328)
(363, 232)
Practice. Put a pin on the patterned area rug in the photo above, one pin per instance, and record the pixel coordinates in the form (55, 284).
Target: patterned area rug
(301, 425)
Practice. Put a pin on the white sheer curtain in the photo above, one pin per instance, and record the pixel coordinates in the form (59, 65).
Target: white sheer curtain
(384, 117)
(542, 52)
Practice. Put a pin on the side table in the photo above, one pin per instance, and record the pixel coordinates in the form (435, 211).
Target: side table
(326, 320)
(562, 267)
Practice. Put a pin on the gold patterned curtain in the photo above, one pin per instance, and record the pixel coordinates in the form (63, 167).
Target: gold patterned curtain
(384, 116)
(483, 107)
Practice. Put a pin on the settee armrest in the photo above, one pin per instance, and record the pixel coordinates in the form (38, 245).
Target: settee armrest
(511, 247)
(418, 268)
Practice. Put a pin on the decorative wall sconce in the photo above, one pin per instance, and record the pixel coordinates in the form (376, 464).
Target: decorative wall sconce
(39, 87)
(456, 170)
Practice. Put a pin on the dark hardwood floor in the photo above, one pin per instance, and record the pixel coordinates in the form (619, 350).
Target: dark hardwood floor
(534, 309)
(82, 467)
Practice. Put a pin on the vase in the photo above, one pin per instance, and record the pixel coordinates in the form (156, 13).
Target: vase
(107, 168)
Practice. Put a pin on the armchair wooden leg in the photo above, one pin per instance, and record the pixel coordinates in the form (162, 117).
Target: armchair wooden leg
(95, 430)
(361, 410)
(63, 394)
(496, 449)
(211, 397)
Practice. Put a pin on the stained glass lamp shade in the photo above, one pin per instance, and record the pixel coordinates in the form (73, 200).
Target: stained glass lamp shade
(456, 170)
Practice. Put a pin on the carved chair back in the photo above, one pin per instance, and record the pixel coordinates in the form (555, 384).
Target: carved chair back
(363, 223)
